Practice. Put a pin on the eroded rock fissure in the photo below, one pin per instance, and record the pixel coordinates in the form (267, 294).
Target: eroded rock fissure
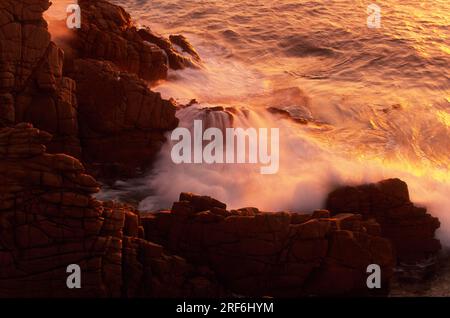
(97, 97)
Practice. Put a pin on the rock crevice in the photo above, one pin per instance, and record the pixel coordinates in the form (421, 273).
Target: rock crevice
(94, 92)
(49, 220)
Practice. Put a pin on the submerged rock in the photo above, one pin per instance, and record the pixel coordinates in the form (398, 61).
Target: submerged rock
(177, 61)
(287, 114)
(184, 44)
(32, 85)
(98, 108)
(117, 108)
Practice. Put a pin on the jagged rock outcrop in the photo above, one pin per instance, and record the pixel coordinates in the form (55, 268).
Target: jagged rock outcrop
(108, 33)
(177, 61)
(117, 108)
(89, 105)
(32, 85)
(410, 228)
(99, 108)
(277, 254)
(183, 43)
(49, 220)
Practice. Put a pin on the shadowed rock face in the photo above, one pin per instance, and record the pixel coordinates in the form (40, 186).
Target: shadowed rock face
(48, 220)
(277, 254)
(117, 108)
(411, 229)
(89, 105)
(32, 86)
(107, 34)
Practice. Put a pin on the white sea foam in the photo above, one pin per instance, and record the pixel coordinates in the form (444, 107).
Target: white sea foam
(379, 101)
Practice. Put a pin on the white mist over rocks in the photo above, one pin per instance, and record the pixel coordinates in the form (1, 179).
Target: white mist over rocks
(310, 167)
(226, 145)
(367, 121)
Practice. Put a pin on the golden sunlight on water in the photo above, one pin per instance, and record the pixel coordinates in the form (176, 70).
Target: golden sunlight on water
(381, 96)
(444, 117)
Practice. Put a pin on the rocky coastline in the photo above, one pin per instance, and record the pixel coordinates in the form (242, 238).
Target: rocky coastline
(65, 108)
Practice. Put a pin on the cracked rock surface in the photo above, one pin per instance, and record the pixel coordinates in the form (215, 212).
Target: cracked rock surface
(410, 228)
(49, 220)
(278, 254)
(94, 94)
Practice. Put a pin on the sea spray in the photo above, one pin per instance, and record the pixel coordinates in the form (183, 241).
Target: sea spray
(384, 110)
(236, 146)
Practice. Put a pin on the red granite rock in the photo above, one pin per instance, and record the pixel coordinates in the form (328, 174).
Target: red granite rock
(108, 33)
(281, 254)
(117, 108)
(177, 61)
(32, 85)
(183, 43)
(49, 220)
(410, 228)
(58, 92)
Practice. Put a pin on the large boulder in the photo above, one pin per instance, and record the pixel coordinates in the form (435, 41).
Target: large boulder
(108, 33)
(117, 108)
(410, 228)
(89, 105)
(32, 85)
(282, 254)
